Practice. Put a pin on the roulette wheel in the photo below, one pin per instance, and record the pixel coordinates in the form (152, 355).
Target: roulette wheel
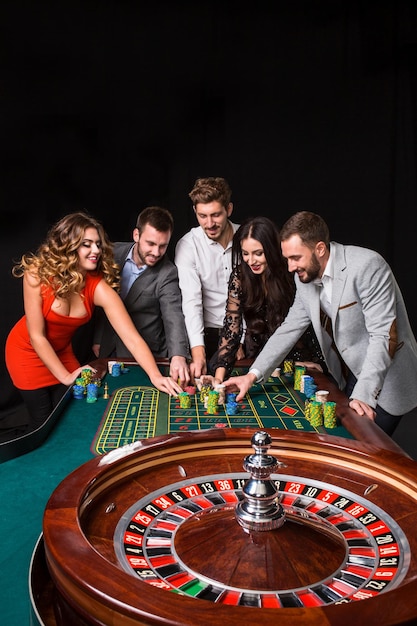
(232, 526)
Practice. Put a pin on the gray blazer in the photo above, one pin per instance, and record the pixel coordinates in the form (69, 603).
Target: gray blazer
(155, 306)
(370, 326)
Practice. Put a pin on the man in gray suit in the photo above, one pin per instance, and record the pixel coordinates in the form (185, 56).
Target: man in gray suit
(352, 299)
(151, 293)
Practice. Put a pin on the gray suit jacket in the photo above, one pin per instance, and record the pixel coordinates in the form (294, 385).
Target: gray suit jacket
(370, 326)
(155, 306)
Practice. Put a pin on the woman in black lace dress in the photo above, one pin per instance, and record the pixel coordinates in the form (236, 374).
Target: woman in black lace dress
(261, 291)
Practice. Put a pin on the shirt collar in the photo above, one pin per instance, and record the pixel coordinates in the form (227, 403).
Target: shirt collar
(327, 272)
(214, 243)
(130, 257)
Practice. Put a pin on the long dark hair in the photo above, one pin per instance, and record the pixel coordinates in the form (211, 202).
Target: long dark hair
(265, 298)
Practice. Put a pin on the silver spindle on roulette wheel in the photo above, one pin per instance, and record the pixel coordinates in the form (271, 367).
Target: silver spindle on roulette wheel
(260, 509)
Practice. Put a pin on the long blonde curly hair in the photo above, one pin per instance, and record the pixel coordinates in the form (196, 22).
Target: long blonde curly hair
(56, 262)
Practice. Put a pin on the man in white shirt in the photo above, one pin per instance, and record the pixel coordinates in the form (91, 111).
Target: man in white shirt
(203, 257)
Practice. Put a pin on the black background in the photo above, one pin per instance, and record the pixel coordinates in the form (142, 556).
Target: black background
(113, 106)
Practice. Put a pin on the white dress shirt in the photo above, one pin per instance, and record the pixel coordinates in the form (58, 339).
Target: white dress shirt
(204, 268)
(326, 286)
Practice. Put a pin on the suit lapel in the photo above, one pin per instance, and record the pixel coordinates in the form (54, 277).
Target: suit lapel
(139, 285)
(339, 279)
(121, 251)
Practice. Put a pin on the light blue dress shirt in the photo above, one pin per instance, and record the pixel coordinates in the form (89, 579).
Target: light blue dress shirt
(130, 272)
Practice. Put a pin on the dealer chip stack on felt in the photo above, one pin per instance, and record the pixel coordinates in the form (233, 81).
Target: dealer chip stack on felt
(299, 371)
(308, 386)
(116, 368)
(288, 368)
(321, 413)
(329, 414)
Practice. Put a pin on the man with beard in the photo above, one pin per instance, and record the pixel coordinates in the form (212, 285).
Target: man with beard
(351, 298)
(151, 294)
(203, 257)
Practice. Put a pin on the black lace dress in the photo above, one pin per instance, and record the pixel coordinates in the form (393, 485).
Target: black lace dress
(257, 333)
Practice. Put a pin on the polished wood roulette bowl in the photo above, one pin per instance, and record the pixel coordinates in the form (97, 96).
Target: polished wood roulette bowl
(148, 534)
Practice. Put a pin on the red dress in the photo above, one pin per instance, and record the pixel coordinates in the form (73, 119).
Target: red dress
(26, 369)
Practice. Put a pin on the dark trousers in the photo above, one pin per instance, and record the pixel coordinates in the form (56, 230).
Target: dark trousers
(40, 403)
(387, 422)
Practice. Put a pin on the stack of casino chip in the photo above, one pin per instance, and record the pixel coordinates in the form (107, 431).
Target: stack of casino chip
(82, 382)
(86, 377)
(204, 391)
(302, 382)
(310, 387)
(185, 400)
(329, 414)
(316, 413)
(288, 368)
(221, 389)
(190, 389)
(116, 370)
(231, 405)
(298, 372)
(78, 390)
(213, 402)
(92, 392)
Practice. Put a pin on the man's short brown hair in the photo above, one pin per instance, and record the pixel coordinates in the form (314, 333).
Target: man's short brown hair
(211, 189)
(157, 217)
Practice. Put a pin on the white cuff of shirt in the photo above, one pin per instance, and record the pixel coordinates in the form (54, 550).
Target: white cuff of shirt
(257, 373)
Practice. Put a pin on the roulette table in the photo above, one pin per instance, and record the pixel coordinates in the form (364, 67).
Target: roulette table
(148, 534)
(135, 410)
(80, 573)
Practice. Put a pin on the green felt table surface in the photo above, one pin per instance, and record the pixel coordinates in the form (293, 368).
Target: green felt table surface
(26, 484)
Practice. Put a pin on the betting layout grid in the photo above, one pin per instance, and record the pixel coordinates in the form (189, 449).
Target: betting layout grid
(139, 412)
